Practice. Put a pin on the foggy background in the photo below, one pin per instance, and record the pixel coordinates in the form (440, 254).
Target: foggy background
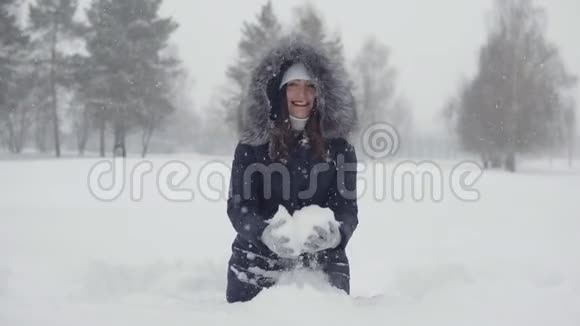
(433, 44)
(100, 92)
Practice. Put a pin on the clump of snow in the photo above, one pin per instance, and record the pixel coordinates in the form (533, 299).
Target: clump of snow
(300, 226)
(301, 282)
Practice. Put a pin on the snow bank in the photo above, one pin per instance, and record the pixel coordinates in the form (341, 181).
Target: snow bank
(510, 258)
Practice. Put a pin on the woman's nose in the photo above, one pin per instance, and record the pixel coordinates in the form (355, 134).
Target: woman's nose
(300, 93)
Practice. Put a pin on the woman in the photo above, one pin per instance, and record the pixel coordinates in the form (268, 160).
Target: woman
(297, 115)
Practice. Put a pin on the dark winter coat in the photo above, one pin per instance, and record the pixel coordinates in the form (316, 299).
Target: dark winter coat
(250, 203)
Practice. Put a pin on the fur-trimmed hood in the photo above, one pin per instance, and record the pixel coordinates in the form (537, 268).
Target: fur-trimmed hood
(334, 98)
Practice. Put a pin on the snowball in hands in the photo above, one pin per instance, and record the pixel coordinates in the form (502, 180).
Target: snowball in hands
(278, 243)
(310, 229)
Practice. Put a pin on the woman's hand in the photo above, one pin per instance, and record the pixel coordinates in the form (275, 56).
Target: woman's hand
(276, 243)
(324, 238)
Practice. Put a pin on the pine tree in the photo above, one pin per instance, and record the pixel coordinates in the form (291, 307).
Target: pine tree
(12, 46)
(256, 38)
(53, 25)
(125, 44)
(12, 39)
(311, 27)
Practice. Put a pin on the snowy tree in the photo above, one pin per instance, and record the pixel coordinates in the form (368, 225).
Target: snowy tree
(53, 26)
(182, 128)
(310, 26)
(13, 78)
(125, 43)
(11, 40)
(155, 91)
(83, 112)
(517, 100)
(23, 101)
(91, 111)
(375, 87)
(155, 104)
(256, 37)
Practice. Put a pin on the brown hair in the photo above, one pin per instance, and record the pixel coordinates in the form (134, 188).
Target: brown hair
(283, 140)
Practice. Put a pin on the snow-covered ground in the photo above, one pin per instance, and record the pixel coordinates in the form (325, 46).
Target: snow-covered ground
(66, 258)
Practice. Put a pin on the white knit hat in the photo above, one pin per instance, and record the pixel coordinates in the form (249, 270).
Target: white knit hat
(296, 71)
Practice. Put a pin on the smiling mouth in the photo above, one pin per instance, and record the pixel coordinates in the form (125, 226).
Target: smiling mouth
(300, 104)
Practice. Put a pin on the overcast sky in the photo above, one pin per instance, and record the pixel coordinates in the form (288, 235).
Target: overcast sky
(433, 43)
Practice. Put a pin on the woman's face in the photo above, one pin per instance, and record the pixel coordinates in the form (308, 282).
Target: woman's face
(300, 95)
